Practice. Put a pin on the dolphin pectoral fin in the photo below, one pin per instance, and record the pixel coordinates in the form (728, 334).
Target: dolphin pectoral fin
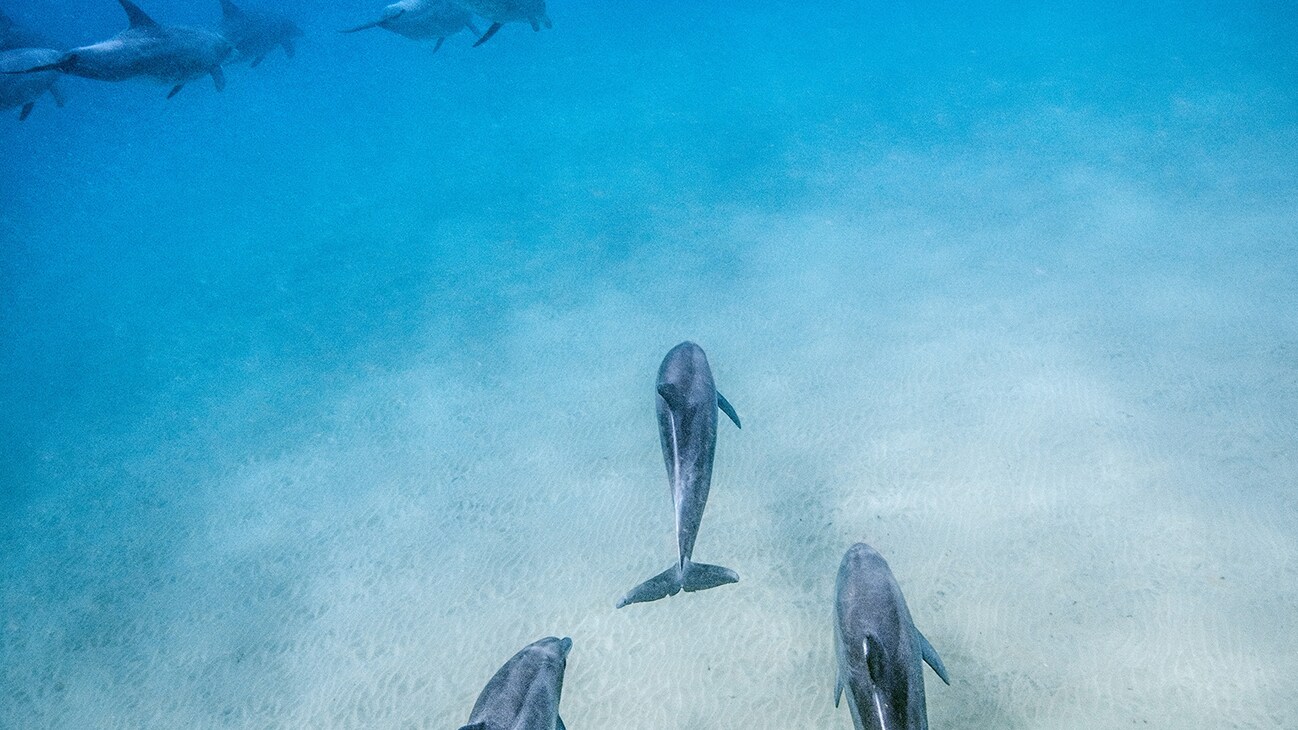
(487, 36)
(438, 46)
(218, 78)
(666, 583)
(545, 19)
(27, 110)
(931, 657)
(536, 26)
(175, 90)
(59, 101)
(558, 723)
(472, 28)
(290, 50)
(701, 576)
(838, 687)
(728, 409)
(257, 61)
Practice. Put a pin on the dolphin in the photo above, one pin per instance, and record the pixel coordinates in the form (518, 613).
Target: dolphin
(255, 33)
(500, 12)
(879, 650)
(170, 54)
(14, 36)
(22, 90)
(687, 403)
(524, 694)
(422, 19)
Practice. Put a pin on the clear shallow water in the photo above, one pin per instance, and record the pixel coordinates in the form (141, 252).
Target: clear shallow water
(325, 394)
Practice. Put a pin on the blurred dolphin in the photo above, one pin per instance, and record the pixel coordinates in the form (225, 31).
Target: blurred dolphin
(524, 694)
(255, 33)
(421, 20)
(170, 54)
(500, 12)
(879, 650)
(14, 36)
(687, 402)
(22, 90)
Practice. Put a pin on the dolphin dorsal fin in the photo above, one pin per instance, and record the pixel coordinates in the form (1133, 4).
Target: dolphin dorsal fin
(137, 17)
(230, 10)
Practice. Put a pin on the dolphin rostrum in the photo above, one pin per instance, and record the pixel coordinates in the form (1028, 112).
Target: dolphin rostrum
(170, 54)
(880, 653)
(422, 19)
(22, 90)
(524, 694)
(255, 33)
(687, 402)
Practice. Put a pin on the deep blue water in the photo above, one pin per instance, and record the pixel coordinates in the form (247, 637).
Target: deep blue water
(351, 353)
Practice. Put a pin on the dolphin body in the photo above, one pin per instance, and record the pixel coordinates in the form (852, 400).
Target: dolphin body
(880, 652)
(14, 36)
(687, 403)
(23, 89)
(422, 19)
(500, 12)
(524, 694)
(170, 54)
(255, 33)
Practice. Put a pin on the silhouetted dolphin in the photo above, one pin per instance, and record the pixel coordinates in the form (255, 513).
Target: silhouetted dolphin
(687, 402)
(524, 694)
(22, 90)
(500, 12)
(14, 36)
(170, 54)
(422, 19)
(879, 649)
(255, 33)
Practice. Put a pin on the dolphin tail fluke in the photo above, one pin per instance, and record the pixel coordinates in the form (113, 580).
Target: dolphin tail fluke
(701, 576)
(728, 409)
(666, 583)
(487, 36)
(931, 657)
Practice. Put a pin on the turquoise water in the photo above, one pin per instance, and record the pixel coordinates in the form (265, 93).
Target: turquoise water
(321, 396)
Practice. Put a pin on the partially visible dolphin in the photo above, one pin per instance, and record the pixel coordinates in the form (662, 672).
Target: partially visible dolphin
(170, 54)
(22, 90)
(255, 33)
(500, 12)
(879, 650)
(524, 694)
(14, 36)
(687, 402)
(422, 19)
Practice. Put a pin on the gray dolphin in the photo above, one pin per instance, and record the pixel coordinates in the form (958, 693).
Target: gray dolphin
(22, 90)
(500, 12)
(170, 54)
(524, 694)
(687, 403)
(14, 36)
(255, 33)
(879, 650)
(421, 20)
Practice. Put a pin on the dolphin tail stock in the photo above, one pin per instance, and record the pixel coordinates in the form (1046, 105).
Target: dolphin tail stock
(487, 36)
(694, 577)
(63, 64)
(728, 409)
(931, 657)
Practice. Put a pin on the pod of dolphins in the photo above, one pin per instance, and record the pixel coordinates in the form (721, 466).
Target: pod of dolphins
(174, 55)
(880, 655)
